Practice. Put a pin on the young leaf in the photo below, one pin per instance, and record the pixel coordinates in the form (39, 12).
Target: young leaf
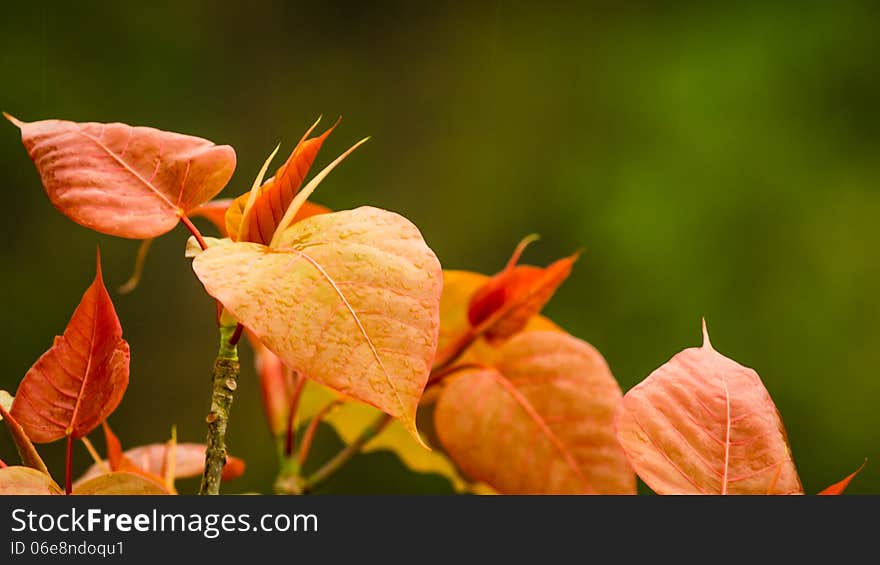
(273, 197)
(189, 462)
(25, 480)
(125, 181)
(26, 449)
(704, 424)
(840, 486)
(504, 305)
(349, 299)
(118, 483)
(458, 288)
(538, 421)
(5, 401)
(80, 380)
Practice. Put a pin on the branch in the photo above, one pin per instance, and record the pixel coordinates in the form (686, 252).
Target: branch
(225, 381)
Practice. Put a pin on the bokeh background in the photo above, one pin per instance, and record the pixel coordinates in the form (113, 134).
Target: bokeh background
(718, 162)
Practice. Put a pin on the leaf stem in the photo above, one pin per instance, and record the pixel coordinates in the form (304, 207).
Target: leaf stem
(340, 459)
(68, 475)
(224, 382)
(194, 230)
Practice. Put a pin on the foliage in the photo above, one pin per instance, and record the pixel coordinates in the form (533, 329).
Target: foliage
(355, 325)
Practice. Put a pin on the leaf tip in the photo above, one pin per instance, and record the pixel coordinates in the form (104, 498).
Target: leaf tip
(13, 120)
(707, 344)
(521, 247)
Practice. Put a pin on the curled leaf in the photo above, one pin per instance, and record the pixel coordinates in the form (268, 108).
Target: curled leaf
(120, 483)
(80, 380)
(840, 486)
(25, 480)
(704, 424)
(126, 181)
(537, 421)
(349, 299)
(504, 305)
(5, 401)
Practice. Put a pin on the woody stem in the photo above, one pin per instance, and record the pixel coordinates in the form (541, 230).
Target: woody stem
(224, 381)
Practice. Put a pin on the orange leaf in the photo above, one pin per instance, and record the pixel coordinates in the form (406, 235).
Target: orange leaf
(504, 305)
(538, 421)
(80, 380)
(840, 486)
(25, 480)
(704, 424)
(349, 299)
(26, 449)
(275, 195)
(126, 181)
(189, 462)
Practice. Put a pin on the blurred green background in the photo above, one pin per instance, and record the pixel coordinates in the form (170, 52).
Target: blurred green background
(718, 162)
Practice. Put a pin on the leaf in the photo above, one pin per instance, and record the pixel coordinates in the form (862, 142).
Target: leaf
(133, 182)
(189, 462)
(26, 450)
(25, 480)
(840, 486)
(119, 483)
(349, 299)
(704, 424)
(504, 305)
(80, 380)
(273, 197)
(538, 421)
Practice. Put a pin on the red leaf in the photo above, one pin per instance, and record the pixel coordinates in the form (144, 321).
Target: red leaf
(275, 195)
(704, 424)
(840, 486)
(126, 181)
(80, 380)
(506, 303)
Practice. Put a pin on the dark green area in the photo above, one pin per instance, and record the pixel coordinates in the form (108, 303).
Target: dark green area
(712, 161)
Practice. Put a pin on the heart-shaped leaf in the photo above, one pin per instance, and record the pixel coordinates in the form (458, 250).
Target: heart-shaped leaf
(349, 299)
(704, 424)
(120, 483)
(25, 480)
(134, 182)
(538, 421)
(272, 199)
(26, 449)
(80, 380)
(840, 486)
